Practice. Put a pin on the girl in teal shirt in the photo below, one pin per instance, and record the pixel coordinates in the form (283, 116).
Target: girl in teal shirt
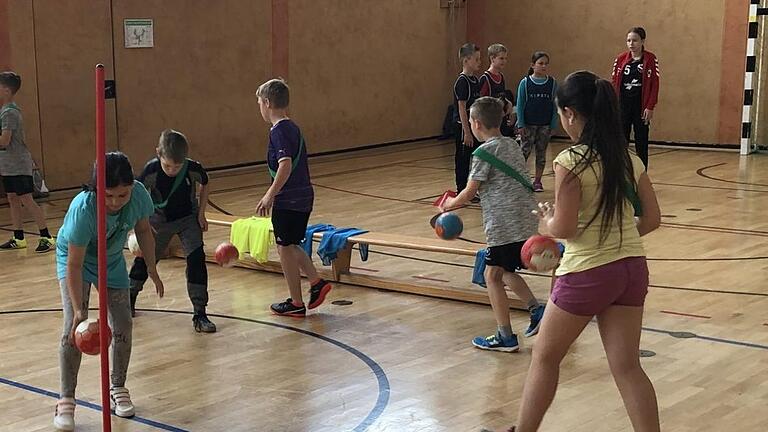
(128, 207)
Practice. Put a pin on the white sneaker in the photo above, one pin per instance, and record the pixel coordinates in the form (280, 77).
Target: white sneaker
(64, 416)
(121, 402)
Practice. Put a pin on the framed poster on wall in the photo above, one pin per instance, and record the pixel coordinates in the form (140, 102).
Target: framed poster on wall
(139, 33)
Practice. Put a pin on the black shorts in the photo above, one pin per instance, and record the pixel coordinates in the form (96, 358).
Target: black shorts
(506, 256)
(290, 226)
(18, 184)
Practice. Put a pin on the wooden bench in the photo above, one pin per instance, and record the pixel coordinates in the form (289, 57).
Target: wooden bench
(340, 269)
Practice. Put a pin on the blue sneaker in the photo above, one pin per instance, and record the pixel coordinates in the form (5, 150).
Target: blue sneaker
(495, 343)
(536, 316)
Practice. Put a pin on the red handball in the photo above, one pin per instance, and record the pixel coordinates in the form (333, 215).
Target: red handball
(87, 337)
(540, 253)
(227, 254)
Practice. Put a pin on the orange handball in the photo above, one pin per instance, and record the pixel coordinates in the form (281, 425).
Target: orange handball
(87, 337)
(540, 253)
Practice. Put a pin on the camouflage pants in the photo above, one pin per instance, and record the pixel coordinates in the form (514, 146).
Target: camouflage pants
(537, 137)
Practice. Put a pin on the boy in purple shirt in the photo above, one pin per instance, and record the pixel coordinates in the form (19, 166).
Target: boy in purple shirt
(290, 198)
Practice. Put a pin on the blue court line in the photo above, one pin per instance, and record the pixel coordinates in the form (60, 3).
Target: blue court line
(93, 406)
(381, 377)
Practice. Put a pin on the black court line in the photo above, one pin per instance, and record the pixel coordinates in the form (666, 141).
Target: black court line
(426, 167)
(702, 290)
(431, 197)
(419, 146)
(26, 233)
(331, 174)
(370, 195)
(711, 228)
(212, 204)
(381, 377)
(47, 218)
(710, 187)
(709, 338)
(667, 287)
(700, 172)
(755, 258)
(661, 152)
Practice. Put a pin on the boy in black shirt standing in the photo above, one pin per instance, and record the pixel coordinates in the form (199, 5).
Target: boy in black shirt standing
(466, 90)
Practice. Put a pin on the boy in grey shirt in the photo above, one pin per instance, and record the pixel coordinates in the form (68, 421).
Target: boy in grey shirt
(16, 168)
(507, 202)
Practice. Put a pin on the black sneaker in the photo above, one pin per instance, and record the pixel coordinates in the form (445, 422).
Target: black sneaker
(318, 292)
(14, 243)
(475, 199)
(203, 324)
(45, 244)
(287, 308)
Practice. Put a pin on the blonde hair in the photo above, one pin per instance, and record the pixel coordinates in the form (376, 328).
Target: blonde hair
(496, 49)
(276, 91)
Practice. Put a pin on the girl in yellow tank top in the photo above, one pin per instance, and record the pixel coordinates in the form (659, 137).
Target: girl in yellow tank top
(603, 273)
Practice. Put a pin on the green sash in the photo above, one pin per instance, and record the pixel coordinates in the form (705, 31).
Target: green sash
(501, 166)
(176, 182)
(495, 162)
(632, 196)
(10, 106)
(295, 161)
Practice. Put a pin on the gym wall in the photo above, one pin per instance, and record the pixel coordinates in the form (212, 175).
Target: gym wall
(361, 73)
(700, 45)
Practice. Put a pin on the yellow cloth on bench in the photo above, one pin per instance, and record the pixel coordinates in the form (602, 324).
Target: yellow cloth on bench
(252, 235)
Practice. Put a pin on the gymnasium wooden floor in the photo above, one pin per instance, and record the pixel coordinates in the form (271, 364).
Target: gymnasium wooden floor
(398, 362)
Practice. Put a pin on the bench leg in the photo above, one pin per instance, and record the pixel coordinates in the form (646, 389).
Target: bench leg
(342, 262)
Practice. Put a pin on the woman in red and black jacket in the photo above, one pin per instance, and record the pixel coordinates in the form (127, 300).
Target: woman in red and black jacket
(636, 80)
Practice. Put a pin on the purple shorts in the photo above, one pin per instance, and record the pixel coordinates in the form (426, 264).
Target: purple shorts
(589, 292)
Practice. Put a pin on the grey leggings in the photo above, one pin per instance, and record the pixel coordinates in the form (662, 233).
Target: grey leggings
(120, 321)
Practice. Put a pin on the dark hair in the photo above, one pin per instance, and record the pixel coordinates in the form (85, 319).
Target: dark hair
(489, 110)
(639, 30)
(595, 100)
(276, 91)
(119, 172)
(467, 50)
(173, 145)
(12, 80)
(535, 57)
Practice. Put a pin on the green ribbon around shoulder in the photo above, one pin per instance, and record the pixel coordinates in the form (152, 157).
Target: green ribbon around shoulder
(495, 162)
(176, 183)
(503, 167)
(295, 161)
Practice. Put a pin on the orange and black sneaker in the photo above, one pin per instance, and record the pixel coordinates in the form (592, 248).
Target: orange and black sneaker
(317, 293)
(287, 308)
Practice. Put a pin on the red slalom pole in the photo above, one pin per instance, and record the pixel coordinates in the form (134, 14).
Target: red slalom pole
(101, 217)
